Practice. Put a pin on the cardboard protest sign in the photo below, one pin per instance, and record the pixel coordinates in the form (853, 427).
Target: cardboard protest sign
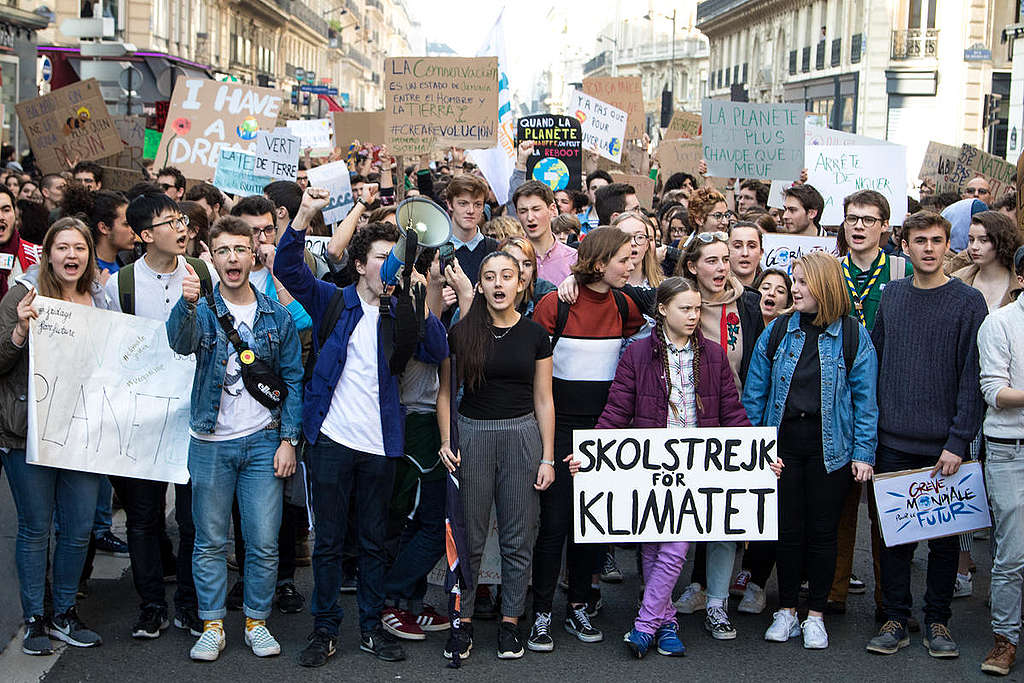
(107, 394)
(206, 116)
(914, 506)
(277, 154)
(557, 158)
(334, 177)
(644, 186)
(603, 126)
(314, 134)
(635, 160)
(684, 124)
(236, 173)
(434, 102)
(365, 126)
(679, 155)
(121, 179)
(780, 249)
(838, 171)
(971, 162)
(746, 140)
(69, 125)
(650, 485)
(622, 92)
(132, 130)
(938, 160)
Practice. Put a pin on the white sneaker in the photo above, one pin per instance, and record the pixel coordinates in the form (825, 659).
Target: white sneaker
(692, 600)
(964, 587)
(209, 646)
(815, 637)
(784, 626)
(753, 601)
(262, 643)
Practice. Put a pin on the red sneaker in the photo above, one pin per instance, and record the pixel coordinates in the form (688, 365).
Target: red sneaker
(430, 620)
(739, 586)
(401, 624)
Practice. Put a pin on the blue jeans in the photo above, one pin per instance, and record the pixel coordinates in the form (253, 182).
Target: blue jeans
(338, 472)
(104, 508)
(38, 491)
(220, 470)
(1004, 477)
(721, 556)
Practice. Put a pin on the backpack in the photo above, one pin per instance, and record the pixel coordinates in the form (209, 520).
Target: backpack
(327, 325)
(126, 282)
(851, 339)
(563, 315)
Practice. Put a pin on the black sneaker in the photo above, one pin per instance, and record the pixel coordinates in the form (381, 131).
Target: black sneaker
(510, 645)
(152, 620)
(594, 602)
(381, 644)
(578, 623)
(890, 639)
(940, 643)
(320, 646)
(36, 641)
(610, 572)
(236, 596)
(486, 607)
(540, 639)
(110, 544)
(349, 583)
(289, 600)
(857, 586)
(69, 628)
(187, 620)
(460, 640)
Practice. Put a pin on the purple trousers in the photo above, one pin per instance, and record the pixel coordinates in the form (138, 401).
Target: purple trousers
(662, 563)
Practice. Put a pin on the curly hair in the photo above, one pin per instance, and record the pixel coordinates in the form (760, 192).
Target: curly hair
(701, 203)
(1002, 232)
(359, 247)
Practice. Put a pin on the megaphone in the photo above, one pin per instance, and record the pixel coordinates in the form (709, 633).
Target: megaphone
(421, 219)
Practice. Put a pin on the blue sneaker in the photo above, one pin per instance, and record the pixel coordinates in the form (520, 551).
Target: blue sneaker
(638, 642)
(669, 643)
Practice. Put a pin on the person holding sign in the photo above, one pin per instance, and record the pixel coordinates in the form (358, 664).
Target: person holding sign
(813, 376)
(67, 271)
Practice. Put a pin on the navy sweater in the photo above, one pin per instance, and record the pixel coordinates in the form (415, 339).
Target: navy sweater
(929, 397)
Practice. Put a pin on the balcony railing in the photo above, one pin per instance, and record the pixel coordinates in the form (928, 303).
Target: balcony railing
(915, 43)
(662, 51)
(358, 57)
(310, 18)
(597, 62)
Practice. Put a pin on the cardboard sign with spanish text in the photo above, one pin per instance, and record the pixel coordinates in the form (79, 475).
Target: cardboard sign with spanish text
(622, 92)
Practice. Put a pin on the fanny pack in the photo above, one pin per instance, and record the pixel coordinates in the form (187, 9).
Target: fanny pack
(258, 378)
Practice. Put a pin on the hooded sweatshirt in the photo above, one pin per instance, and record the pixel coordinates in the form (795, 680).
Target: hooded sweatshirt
(720, 322)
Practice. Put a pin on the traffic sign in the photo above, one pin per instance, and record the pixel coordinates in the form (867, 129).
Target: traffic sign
(47, 69)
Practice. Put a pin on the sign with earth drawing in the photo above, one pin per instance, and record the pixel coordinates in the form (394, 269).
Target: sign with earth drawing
(557, 158)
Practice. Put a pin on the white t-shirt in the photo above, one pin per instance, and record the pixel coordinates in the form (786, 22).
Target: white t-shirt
(353, 419)
(240, 414)
(258, 279)
(155, 293)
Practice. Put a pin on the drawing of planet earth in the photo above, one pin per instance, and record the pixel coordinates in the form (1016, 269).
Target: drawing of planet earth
(552, 172)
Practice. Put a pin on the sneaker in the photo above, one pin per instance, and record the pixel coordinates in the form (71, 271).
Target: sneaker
(594, 602)
(540, 639)
(857, 586)
(188, 621)
(209, 646)
(890, 639)
(510, 646)
(784, 626)
(913, 625)
(152, 620)
(964, 586)
(578, 623)
(109, 544)
(401, 624)
(668, 640)
(716, 622)
(815, 636)
(257, 636)
(36, 641)
(940, 642)
(460, 642)
(320, 646)
(382, 645)
(69, 628)
(485, 607)
(638, 642)
(349, 583)
(431, 620)
(753, 601)
(236, 596)
(610, 572)
(289, 600)
(692, 600)
(1000, 658)
(739, 586)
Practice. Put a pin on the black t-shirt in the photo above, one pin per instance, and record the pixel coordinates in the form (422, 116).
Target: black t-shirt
(507, 389)
(804, 399)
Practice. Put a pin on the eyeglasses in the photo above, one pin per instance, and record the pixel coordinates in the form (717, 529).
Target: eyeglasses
(721, 215)
(168, 186)
(706, 237)
(269, 229)
(975, 191)
(640, 239)
(868, 221)
(181, 221)
(239, 251)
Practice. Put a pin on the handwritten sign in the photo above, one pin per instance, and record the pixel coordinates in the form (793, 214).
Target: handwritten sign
(316, 245)
(635, 160)
(365, 126)
(913, 506)
(971, 162)
(334, 177)
(780, 249)
(313, 133)
(107, 394)
(132, 130)
(206, 116)
(557, 158)
(644, 186)
(121, 179)
(603, 126)
(746, 140)
(277, 154)
(650, 485)
(818, 135)
(69, 125)
(838, 171)
(236, 173)
(622, 92)
(439, 102)
(678, 155)
(684, 124)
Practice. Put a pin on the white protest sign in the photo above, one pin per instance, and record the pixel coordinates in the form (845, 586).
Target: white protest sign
(316, 245)
(838, 171)
(746, 140)
(312, 133)
(914, 506)
(334, 177)
(651, 485)
(817, 135)
(277, 154)
(106, 394)
(780, 249)
(602, 126)
(776, 198)
(236, 174)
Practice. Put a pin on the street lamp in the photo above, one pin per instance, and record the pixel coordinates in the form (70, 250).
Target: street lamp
(650, 17)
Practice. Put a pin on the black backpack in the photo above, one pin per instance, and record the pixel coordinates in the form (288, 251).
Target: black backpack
(563, 315)
(851, 339)
(126, 282)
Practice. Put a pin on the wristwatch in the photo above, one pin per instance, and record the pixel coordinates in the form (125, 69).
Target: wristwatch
(294, 442)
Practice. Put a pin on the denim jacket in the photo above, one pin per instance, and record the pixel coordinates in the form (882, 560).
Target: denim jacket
(193, 328)
(849, 407)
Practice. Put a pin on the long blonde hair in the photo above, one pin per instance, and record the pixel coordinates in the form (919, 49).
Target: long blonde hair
(650, 267)
(824, 278)
(526, 247)
(48, 284)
